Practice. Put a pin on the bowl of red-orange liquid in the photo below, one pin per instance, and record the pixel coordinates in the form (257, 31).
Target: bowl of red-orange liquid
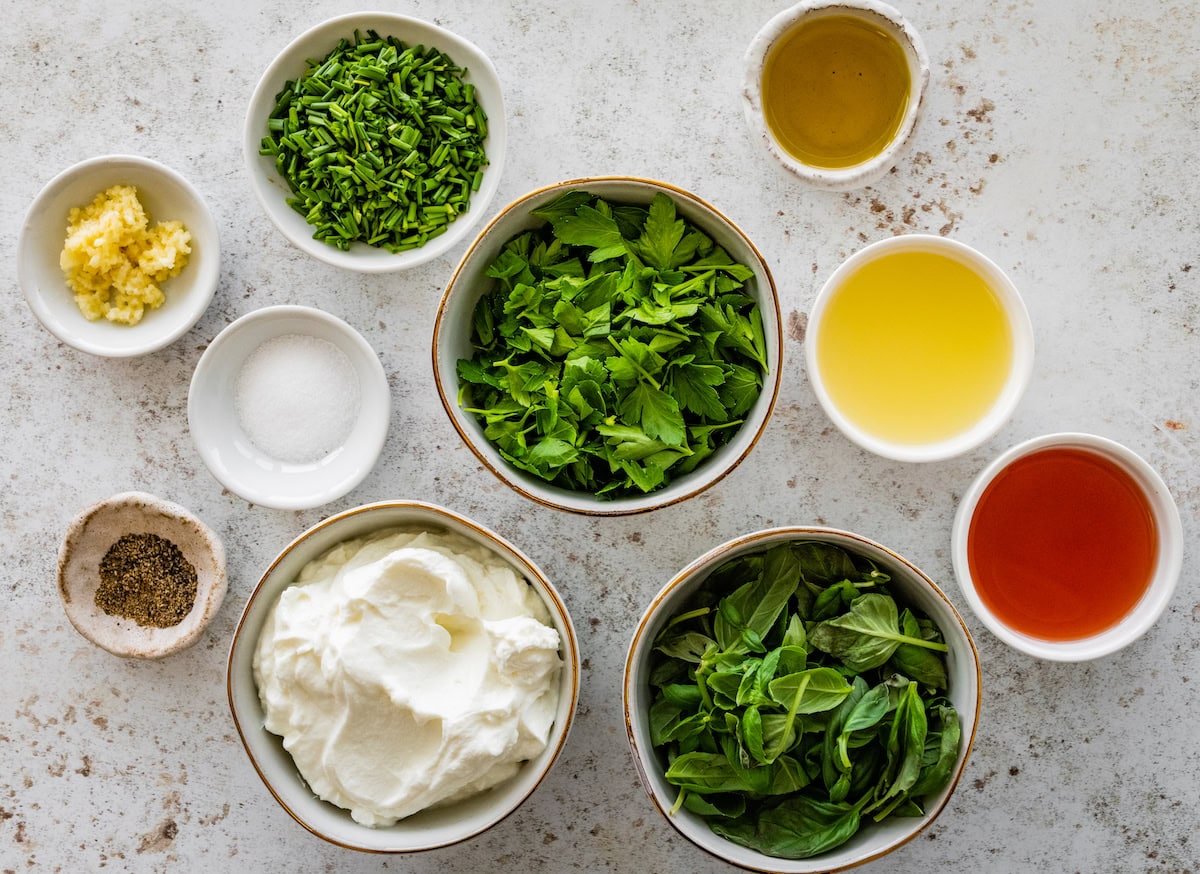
(1068, 546)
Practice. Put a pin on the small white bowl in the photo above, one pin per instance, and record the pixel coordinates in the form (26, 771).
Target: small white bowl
(435, 827)
(873, 839)
(1006, 401)
(878, 14)
(292, 62)
(247, 470)
(1163, 580)
(166, 196)
(453, 326)
(88, 539)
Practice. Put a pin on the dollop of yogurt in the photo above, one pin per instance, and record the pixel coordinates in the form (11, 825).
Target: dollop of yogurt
(408, 669)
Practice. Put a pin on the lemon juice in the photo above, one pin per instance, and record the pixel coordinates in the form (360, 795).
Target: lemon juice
(914, 347)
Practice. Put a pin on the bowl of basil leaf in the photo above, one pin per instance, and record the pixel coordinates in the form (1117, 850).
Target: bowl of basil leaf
(609, 345)
(801, 700)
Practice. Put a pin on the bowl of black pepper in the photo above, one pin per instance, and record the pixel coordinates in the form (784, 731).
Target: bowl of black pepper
(139, 576)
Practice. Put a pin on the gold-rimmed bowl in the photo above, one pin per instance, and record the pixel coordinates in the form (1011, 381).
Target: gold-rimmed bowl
(910, 586)
(453, 328)
(435, 827)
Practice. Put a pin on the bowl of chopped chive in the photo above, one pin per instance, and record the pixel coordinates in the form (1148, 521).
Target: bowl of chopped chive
(624, 386)
(374, 141)
(801, 700)
(140, 576)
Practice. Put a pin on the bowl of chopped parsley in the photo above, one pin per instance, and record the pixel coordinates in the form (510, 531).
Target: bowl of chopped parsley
(609, 345)
(375, 141)
(801, 700)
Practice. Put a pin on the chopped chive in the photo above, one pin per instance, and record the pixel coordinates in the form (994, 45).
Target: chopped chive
(380, 143)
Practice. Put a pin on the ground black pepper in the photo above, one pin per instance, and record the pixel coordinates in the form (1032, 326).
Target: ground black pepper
(146, 578)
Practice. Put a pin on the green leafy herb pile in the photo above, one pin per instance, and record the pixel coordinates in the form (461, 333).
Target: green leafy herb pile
(380, 143)
(794, 698)
(619, 347)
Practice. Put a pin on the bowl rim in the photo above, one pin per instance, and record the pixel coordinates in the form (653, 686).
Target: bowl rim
(1010, 394)
(916, 59)
(380, 388)
(205, 286)
(1153, 602)
(482, 73)
(742, 545)
(638, 504)
(545, 589)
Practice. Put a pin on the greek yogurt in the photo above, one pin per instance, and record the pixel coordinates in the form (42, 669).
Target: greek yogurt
(408, 669)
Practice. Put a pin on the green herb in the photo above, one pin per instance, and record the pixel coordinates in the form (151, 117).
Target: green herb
(380, 143)
(619, 347)
(793, 699)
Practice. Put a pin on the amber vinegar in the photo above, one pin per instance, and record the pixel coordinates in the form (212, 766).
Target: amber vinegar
(1062, 544)
(835, 89)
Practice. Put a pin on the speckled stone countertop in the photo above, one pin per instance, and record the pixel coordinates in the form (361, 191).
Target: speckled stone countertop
(1059, 138)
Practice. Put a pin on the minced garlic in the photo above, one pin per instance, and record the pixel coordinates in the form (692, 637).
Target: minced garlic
(114, 260)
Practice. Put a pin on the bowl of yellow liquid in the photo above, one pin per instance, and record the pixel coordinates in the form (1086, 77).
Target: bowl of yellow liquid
(834, 89)
(919, 348)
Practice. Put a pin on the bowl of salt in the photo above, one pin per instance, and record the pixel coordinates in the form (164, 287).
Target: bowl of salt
(289, 407)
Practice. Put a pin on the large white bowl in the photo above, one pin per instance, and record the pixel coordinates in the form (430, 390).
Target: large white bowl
(245, 469)
(1164, 578)
(272, 190)
(912, 586)
(452, 340)
(166, 196)
(435, 827)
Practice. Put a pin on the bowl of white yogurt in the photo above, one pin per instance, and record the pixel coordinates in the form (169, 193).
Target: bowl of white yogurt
(402, 678)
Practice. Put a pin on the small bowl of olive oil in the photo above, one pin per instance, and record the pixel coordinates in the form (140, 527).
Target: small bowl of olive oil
(834, 89)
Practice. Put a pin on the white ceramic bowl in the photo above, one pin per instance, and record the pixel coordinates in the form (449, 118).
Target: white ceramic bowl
(272, 189)
(1010, 394)
(233, 458)
(878, 14)
(452, 340)
(435, 827)
(910, 585)
(166, 196)
(1164, 578)
(89, 537)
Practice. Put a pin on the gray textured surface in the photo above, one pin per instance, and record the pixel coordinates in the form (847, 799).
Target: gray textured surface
(1059, 139)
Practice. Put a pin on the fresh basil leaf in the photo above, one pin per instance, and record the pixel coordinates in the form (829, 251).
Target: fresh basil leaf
(936, 774)
(809, 691)
(720, 805)
(867, 636)
(705, 773)
(797, 828)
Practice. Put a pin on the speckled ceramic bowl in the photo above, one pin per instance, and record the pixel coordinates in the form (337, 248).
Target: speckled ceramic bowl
(873, 840)
(90, 536)
(875, 13)
(434, 827)
(453, 327)
(166, 196)
(272, 189)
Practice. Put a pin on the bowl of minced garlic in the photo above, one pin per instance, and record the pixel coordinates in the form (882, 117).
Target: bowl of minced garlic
(118, 256)
(140, 576)
(115, 261)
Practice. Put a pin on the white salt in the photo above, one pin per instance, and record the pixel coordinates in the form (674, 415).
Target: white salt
(297, 397)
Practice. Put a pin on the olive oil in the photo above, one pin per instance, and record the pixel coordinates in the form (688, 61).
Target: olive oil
(1062, 544)
(914, 347)
(835, 89)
